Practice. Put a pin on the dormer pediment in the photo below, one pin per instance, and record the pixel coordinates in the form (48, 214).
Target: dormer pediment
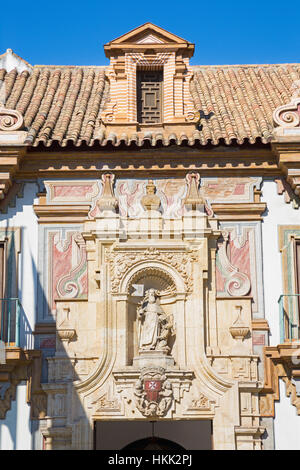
(148, 36)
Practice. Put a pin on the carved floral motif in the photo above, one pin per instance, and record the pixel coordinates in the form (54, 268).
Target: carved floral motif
(121, 262)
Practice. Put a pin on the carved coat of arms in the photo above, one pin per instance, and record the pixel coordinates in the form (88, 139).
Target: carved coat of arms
(153, 392)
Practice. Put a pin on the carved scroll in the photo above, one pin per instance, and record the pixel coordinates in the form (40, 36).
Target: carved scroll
(236, 283)
(10, 120)
(288, 115)
(67, 286)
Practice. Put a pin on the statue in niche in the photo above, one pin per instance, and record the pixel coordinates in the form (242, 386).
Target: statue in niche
(155, 326)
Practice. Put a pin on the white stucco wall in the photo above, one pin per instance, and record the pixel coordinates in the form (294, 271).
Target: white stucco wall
(286, 422)
(23, 216)
(278, 213)
(15, 431)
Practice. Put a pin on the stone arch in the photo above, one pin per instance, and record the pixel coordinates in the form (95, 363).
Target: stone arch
(168, 279)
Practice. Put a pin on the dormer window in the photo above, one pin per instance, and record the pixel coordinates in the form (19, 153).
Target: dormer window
(149, 76)
(149, 96)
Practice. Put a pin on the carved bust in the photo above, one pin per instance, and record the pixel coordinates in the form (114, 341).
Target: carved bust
(150, 201)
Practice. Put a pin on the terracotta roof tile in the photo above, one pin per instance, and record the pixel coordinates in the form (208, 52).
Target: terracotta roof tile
(241, 99)
(64, 104)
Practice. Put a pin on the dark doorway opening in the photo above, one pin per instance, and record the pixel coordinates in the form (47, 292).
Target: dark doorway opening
(153, 443)
(147, 435)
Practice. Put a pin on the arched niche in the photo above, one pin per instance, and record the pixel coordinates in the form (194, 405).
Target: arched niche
(165, 279)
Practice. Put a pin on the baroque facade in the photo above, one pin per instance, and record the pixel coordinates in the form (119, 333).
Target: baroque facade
(149, 251)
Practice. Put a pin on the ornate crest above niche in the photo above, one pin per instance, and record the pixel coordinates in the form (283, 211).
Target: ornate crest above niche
(148, 48)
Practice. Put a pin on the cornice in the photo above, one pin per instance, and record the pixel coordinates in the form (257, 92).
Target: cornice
(241, 211)
(61, 214)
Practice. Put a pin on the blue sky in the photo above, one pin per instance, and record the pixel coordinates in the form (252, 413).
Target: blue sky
(224, 32)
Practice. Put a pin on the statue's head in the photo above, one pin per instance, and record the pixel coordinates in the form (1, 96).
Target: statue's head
(151, 295)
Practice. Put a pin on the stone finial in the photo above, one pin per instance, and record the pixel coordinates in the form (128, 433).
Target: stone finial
(107, 200)
(65, 332)
(193, 197)
(150, 201)
(238, 329)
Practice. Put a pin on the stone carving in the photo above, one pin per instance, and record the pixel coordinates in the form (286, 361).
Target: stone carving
(106, 403)
(153, 392)
(121, 262)
(152, 277)
(107, 200)
(10, 120)
(193, 198)
(237, 283)
(200, 403)
(150, 201)
(288, 115)
(68, 285)
(155, 326)
(239, 330)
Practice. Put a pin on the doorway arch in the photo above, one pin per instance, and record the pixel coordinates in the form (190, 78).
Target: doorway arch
(153, 443)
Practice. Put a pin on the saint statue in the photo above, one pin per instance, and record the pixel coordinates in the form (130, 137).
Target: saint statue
(155, 326)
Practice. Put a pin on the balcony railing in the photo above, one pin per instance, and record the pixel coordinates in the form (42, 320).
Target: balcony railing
(10, 310)
(289, 317)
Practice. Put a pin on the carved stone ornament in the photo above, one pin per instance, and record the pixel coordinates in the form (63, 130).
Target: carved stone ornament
(122, 262)
(288, 115)
(153, 392)
(237, 283)
(68, 285)
(155, 326)
(199, 403)
(150, 201)
(65, 332)
(10, 120)
(193, 198)
(107, 200)
(238, 329)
